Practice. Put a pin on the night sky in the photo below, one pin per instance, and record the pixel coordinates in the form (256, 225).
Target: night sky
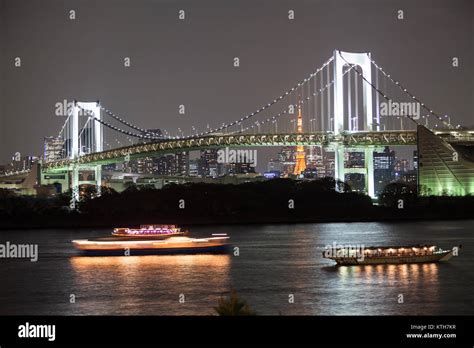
(190, 62)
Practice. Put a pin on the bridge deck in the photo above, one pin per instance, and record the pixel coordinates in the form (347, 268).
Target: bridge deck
(354, 139)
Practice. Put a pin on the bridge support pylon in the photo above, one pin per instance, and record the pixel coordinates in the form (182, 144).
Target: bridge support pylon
(98, 180)
(339, 167)
(77, 148)
(362, 60)
(74, 187)
(369, 166)
(340, 170)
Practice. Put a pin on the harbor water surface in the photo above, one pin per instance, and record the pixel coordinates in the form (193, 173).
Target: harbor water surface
(279, 270)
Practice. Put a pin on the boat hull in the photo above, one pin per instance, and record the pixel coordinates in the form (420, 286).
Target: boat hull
(445, 256)
(216, 249)
(169, 246)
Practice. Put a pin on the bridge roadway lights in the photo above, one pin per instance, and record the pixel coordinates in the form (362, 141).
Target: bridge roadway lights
(353, 139)
(366, 140)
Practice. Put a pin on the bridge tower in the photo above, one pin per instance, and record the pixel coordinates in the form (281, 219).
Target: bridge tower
(363, 62)
(92, 143)
(300, 164)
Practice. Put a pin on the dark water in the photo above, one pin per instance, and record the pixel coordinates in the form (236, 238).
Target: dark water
(275, 261)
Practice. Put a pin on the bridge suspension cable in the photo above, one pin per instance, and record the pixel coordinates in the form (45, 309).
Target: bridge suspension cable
(401, 87)
(64, 125)
(265, 107)
(371, 84)
(144, 136)
(111, 114)
(304, 100)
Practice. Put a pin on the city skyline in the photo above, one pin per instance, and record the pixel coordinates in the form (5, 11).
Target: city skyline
(185, 64)
(172, 164)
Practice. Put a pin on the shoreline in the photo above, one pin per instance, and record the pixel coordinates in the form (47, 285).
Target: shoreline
(214, 222)
(281, 201)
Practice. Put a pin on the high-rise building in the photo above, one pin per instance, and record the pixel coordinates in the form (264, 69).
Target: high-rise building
(164, 165)
(354, 159)
(208, 165)
(286, 157)
(144, 165)
(314, 157)
(240, 168)
(53, 149)
(402, 166)
(194, 167)
(327, 166)
(384, 169)
(182, 163)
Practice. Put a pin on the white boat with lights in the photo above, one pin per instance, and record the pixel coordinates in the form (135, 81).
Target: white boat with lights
(389, 254)
(151, 239)
(148, 231)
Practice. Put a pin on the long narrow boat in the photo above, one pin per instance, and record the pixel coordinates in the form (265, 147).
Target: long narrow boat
(389, 254)
(151, 240)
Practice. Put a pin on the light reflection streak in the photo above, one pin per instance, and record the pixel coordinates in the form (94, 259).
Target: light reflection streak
(87, 263)
(140, 284)
(403, 273)
(380, 285)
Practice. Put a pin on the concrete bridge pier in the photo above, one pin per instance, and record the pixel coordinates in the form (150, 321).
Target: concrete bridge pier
(368, 170)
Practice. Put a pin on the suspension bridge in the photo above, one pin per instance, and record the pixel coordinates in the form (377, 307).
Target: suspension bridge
(348, 104)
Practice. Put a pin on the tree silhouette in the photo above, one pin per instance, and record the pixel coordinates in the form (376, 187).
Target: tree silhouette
(233, 306)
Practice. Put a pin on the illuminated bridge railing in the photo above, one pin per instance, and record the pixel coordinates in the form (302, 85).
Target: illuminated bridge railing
(15, 173)
(463, 136)
(174, 145)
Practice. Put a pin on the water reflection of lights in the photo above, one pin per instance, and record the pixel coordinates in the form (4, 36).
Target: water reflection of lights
(147, 284)
(80, 263)
(391, 273)
(377, 287)
(169, 271)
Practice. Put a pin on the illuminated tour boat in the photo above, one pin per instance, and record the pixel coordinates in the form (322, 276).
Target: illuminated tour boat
(389, 254)
(151, 240)
(157, 231)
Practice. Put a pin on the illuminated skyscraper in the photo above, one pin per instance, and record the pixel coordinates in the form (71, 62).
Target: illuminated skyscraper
(384, 169)
(182, 163)
(53, 149)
